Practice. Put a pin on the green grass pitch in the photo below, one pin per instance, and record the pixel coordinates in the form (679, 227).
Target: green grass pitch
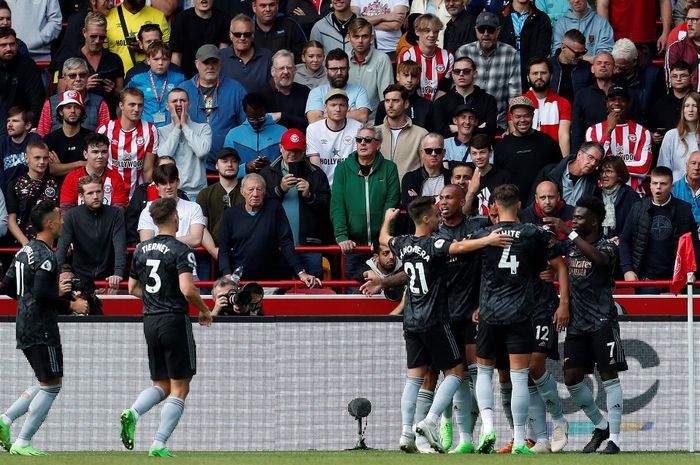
(347, 458)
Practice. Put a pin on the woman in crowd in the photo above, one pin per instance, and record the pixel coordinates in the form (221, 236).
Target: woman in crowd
(680, 142)
(311, 72)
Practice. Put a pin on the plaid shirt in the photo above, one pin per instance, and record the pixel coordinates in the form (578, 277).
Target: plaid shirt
(498, 74)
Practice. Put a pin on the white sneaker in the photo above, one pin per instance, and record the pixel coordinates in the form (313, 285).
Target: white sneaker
(423, 446)
(560, 436)
(407, 443)
(541, 447)
(429, 430)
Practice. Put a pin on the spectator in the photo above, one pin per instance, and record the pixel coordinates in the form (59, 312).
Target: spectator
(222, 305)
(499, 63)
(529, 31)
(548, 202)
(457, 147)
(337, 71)
(123, 23)
(460, 29)
(38, 25)
(525, 151)
(257, 139)
(331, 140)
(589, 105)
(555, 9)
(465, 93)
(311, 72)
(86, 226)
(643, 81)
(431, 177)
(650, 235)
(307, 13)
(192, 222)
(331, 31)
(156, 83)
(286, 98)
(133, 141)
(73, 36)
(200, 25)
(225, 193)
(552, 112)
(436, 63)
(96, 155)
(401, 138)
(582, 18)
(623, 137)
(148, 34)
(275, 31)
(303, 191)
(67, 143)
(13, 147)
(680, 9)
(667, 107)
(187, 142)
(461, 174)
(20, 79)
(686, 49)
(636, 20)
(382, 264)
(486, 176)
(475, 7)
(262, 243)
(364, 186)
(34, 186)
(577, 175)
(96, 111)
(386, 16)
(408, 75)
(3, 219)
(687, 187)
(681, 141)
(215, 100)
(438, 8)
(243, 61)
(617, 196)
(570, 72)
(6, 21)
(369, 69)
(409, 38)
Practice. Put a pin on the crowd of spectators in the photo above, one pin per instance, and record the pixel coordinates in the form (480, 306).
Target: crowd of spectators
(312, 118)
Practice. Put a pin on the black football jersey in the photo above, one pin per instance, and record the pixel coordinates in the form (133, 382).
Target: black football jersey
(423, 261)
(591, 302)
(157, 265)
(510, 275)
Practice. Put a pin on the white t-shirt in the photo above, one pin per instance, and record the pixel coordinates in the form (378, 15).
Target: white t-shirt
(189, 213)
(331, 146)
(386, 40)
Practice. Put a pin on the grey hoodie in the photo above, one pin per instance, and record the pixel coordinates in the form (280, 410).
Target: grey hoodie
(304, 77)
(595, 28)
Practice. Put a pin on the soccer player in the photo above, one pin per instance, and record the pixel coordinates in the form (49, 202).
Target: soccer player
(32, 280)
(429, 339)
(507, 301)
(161, 274)
(593, 337)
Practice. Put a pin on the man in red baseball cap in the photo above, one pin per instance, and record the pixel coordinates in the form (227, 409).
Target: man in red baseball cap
(305, 194)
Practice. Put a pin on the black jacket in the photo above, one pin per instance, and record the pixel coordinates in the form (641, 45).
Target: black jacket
(285, 34)
(413, 180)
(484, 104)
(21, 85)
(291, 106)
(136, 204)
(626, 198)
(459, 32)
(535, 37)
(310, 16)
(314, 213)
(555, 174)
(580, 76)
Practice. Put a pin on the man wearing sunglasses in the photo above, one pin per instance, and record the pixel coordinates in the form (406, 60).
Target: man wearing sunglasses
(594, 27)
(570, 71)
(498, 63)
(431, 177)
(243, 61)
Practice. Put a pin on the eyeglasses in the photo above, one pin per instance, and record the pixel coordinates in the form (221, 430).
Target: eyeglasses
(485, 29)
(691, 19)
(284, 68)
(591, 157)
(340, 69)
(77, 75)
(577, 53)
(460, 71)
(238, 35)
(366, 140)
(256, 120)
(433, 150)
(97, 36)
(680, 76)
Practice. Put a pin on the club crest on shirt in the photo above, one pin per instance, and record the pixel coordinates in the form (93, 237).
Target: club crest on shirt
(440, 68)
(347, 140)
(632, 138)
(140, 141)
(591, 39)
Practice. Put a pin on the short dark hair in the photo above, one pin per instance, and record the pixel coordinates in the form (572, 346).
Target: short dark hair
(576, 36)
(94, 139)
(480, 141)
(162, 209)
(397, 88)
(255, 100)
(163, 174)
(4, 5)
(156, 47)
(461, 164)
(40, 212)
(7, 31)
(618, 166)
(681, 65)
(466, 58)
(538, 61)
(593, 205)
(662, 171)
(26, 115)
(506, 195)
(149, 27)
(419, 207)
(336, 54)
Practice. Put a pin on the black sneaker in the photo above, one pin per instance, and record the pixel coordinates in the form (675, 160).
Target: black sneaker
(611, 448)
(599, 435)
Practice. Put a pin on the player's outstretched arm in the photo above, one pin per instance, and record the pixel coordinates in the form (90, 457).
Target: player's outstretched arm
(561, 316)
(384, 233)
(592, 253)
(495, 239)
(191, 293)
(135, 288)
(374, 284)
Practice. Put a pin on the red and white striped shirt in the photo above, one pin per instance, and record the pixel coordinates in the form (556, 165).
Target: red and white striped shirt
(433, 69)
(127, 149)
(548, 116)
(632, 142)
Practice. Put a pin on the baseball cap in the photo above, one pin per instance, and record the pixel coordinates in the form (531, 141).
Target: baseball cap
(486, 18)
(462, 109)
(205, 52)
(293, 139)
(70, 96)
(228, 152)
(618, 90)
(521, 101)
(334, 93)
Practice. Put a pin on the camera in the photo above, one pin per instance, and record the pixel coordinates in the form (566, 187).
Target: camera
(76, 285)
(247, 300)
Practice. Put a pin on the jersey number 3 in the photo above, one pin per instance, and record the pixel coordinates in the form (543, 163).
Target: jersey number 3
(509, 261)
(153, 274)
(416, 275)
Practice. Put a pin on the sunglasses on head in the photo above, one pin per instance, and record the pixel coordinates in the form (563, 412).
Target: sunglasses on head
(366, 140)
(483, 29)
(433, 150)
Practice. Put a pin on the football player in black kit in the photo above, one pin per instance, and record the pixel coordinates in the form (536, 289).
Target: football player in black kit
(32, 280)
(508, 298)
(161, 274)
(429, 338)
(593, 337)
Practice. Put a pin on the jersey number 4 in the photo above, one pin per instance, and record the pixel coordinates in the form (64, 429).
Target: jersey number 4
(509, 261)
(416, 275)
(153, 274)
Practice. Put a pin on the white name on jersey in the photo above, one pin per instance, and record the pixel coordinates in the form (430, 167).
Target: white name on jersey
(162, 248)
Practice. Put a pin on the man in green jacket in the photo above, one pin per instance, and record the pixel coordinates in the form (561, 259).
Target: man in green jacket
(365, 185)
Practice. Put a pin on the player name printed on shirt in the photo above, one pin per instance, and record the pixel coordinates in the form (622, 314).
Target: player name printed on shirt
(162, 248)
(418, 250)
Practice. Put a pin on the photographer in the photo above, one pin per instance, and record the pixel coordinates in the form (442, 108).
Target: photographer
(222, 293)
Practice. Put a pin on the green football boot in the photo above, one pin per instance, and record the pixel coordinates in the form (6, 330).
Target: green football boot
(162, 452)
(466, 447)
(128, 421)
(27, 451)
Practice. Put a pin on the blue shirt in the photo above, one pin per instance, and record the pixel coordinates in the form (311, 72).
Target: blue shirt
(155, 99)
(681, 190)
(357, 96)
(290, 203)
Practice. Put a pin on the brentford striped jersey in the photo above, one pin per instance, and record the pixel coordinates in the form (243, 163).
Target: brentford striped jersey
(632, 142)
(433, 69)
(127, 149)
(548, 115)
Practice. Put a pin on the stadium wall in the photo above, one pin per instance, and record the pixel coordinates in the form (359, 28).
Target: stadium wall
(284, 384)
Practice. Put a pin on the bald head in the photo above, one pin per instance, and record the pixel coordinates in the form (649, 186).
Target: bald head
(692, 168)
(547, 196)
